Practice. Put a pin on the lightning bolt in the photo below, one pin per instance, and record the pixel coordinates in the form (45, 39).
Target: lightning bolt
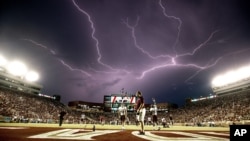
(132, 28)
(170, 62)
(211, 65)
(176, 40)
(206, 67)
(40, 45)
(200, 46)
(179, 24)
(74, 69)
(176, 65)
(136, 43)
(173, 62)
(60, 60)
(95, 39)
(92, 34)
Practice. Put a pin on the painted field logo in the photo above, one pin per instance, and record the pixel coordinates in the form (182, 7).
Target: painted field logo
(72, 134)
(239, 132)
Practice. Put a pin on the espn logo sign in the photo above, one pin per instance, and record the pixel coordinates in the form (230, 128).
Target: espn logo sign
(239, 132)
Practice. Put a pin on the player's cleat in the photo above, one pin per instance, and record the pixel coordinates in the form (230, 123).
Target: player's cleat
(141, 133)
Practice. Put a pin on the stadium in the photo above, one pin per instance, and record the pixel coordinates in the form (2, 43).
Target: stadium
(80, 70)
(26, 114)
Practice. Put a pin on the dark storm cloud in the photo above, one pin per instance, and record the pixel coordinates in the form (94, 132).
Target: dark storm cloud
(202, 39)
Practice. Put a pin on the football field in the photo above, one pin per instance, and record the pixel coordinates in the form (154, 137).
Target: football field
(74, 132)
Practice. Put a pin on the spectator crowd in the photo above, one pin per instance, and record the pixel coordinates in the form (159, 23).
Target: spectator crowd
(219, 111)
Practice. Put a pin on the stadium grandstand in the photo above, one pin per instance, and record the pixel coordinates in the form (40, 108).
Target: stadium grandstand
(228, 104)
(84, 106)
(15, 83)
(20, 101)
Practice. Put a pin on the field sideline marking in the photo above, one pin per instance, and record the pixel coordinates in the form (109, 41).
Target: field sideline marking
(193, 136)
(14, 127)
(72, 134)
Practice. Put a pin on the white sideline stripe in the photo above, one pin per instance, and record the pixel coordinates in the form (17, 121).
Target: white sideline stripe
(200, 136)
(14, 127)
(152, 137)
(215, 133)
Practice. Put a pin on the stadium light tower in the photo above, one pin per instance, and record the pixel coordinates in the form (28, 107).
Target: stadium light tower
(32, 76)
(244, 72)
(217, 81)
(3, 61)
(17, 68)
(231, 77)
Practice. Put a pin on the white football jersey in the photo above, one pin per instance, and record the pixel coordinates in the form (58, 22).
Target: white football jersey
(153, 110)
(122, 110)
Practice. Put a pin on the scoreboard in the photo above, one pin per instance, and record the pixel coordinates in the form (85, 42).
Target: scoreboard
(123, 99)
(114, 101)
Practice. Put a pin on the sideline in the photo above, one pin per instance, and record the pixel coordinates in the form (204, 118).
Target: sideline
(113, 127)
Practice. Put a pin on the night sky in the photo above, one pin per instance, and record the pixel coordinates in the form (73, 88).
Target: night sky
(85, 49)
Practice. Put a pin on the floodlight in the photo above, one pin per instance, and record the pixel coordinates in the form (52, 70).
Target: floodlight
(244, 72)
(3, 61)
(218, 81)
(17, 68)
(231, 77)
(32, 76)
